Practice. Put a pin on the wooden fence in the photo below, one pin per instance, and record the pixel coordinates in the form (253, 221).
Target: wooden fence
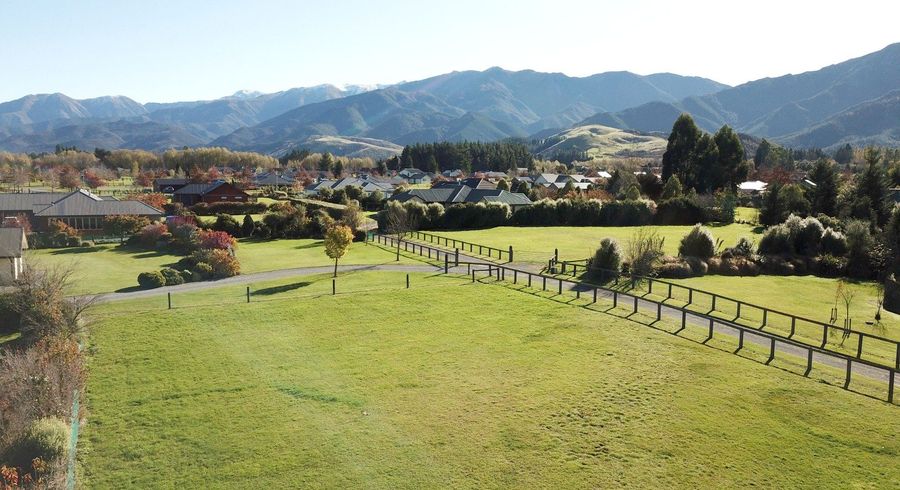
(820, 353)
(474, 248)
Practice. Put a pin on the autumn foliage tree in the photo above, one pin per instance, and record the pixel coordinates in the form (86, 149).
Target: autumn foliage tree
(124, 225)
(337, 242)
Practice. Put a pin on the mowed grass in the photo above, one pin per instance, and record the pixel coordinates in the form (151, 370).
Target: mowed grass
(108, 268)
(536, 244)
(452, 384)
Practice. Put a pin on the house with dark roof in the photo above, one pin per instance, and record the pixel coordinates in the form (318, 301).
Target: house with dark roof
(473, 182)
(367, 183)
(13, 244)
(168, 186)
(209, 193)
(86, 212)
(271, 179)
(458, 194)
(26, 204)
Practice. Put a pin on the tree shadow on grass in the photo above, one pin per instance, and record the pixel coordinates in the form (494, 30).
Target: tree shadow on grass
(280, 289)
(315, 244)
(130, 289)
(76, 250)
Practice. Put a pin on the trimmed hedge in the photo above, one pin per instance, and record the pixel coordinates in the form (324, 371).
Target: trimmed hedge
(211, 209)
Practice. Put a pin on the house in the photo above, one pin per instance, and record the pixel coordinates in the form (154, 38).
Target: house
(368, 184)
(26, 203)
(87, 212)
(419, 178)
(209, 193)
(13, 244)
(168, 186)
(469, 190)
(752, 187)
(271, 179)
(453, 174)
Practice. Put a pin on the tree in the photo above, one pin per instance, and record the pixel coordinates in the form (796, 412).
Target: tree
(338, 170)
(502, 185)
(397, 222)
(680, 148)
(248, 227)
(823, 198)
(762, 153)
(633, 193)
(431, 165)
(771, 212)
(326, 162)
(731, 169)
(351, 216)
(872, 184)
(337, 241)
(672, 189)
(701, 171)
(69, 177)
(124, 225)
(844, 154)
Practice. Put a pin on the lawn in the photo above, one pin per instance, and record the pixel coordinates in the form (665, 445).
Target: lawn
(469, 385)
(108, 268)
(536, 244)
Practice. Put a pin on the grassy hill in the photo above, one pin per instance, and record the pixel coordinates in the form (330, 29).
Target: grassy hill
(603, 142)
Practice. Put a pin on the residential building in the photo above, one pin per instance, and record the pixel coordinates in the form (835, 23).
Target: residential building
(209, 193)
(87, 212)
(271, 179)
(168, 186)
(13, 244)
(459, 193)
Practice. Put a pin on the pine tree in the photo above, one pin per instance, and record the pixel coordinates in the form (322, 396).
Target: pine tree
(672, 189)
(326, 162)
(680, 148)
(503, 185)
(771, 212)
(730, 168)
(248, 227)
(872, 184)
(761, 158)
(823, 198)
(701, 171)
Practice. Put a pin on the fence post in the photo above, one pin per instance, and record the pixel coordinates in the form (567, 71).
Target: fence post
(544, 286)
(169, 294)
(615, 298)
(473, 276)
(891, 387)
(333, 287)
(710, 335)
(248, 294)
(510, 253)
(669, 296)
(635, 304)
(859, 347)
(456, 256)
(738, 315)
(650, 286)
(446, 264)
(683, 319)
(793, 326)
(556, 255)
(529, 279)
(577, 294)
(560, 286)
(595, 295)
(808, 362)
(515, 276)
(849, 370)
(690, 295)
(713, 302)
(771, 350)
(765, 318)
(897, 367)
(740, 340)
(824, 335)
(407, 281)
(658, 311)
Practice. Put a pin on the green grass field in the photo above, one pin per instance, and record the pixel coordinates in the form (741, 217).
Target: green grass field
(536, 244)
(108, 268)
(467, 385)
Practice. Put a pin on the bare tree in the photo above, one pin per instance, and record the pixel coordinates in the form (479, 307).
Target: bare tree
(39, 300)
(844, 294)
(398, 222)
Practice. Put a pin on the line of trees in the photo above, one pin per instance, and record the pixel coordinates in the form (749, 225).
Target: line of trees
(704, 162)
(465, 155)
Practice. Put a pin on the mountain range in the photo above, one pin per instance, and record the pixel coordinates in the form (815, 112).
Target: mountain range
(857, 101)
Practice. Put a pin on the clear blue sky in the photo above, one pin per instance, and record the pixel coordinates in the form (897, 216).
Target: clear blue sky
(183, 50)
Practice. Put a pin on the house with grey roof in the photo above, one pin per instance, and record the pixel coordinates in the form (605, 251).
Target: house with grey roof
(13, 244)
(272, 179)
(86, 212)
(213, 192)
(459, 194)
(367, 183)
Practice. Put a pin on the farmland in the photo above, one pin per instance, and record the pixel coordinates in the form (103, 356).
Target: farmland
(482, 385)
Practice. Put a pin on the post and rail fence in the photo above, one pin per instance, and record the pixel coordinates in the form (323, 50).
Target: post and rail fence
(771, 338)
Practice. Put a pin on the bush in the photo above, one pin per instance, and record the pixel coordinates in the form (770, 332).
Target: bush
(829, 266)
(221, 263)
(172, 277)
(219, 240)
(151, 280)
(743, 248)
(644, 252)
(627, 213)
(778, 266)
(859, 245)
(607, 258)
(698, 265)
(152, 234)
(808, 238)
(776, 241)
(697, 243)
(47, 438)
(833, 243)
(227, 224)
(674, 269)
(202, 271)
(679, 211)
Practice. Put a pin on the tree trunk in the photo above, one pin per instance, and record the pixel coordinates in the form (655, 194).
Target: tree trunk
(335, 267)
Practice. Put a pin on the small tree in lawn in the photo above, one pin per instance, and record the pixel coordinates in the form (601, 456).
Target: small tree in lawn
(124, 225)
(398, 222)
(337, 240)
(248, 227)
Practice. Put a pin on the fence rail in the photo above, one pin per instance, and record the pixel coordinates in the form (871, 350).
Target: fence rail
(771, 338)
(472, 248)
(876, 348)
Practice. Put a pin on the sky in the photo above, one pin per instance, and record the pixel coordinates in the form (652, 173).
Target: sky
(163, 50)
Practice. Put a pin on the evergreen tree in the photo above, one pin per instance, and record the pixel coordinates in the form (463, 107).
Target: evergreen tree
(872, 184)
(730, 168)
(760, 159)
(771, 211)
(432, 165)
(680, 148)
(823, 198)
(503, 185)
(633, 193)
(701, 172)
(248, 227)
(338, 168)
(672, 189)
(326, 162)
(844, 154)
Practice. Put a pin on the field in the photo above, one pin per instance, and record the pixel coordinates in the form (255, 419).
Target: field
(108, 268)
(466, 385)
(601, 142)
(536, 244)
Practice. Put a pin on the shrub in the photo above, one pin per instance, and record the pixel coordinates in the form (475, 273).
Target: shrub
(697, 243)
(217, 240)
(221, 262)
(607, 258)
(172, 277)
(202, 271)
(627, 213)
(829, 265)
(777, 266)
(808, 237)
(859, 244)
(227, 224)
(248, 227)
(674, 269)
(152, 234)
(833, 243)
(698, 265)
(644, 252)
(776, 241)
(211, 209)
(743, 248)
(47, 438)
(679, 211)
(151, 280)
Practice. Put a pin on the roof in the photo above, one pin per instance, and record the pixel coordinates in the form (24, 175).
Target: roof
(461, 194)
(752, 185)
(12, 242)
(28, 201)
(272, 179)
(83, 203)
(201, 189)
(164, 182)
